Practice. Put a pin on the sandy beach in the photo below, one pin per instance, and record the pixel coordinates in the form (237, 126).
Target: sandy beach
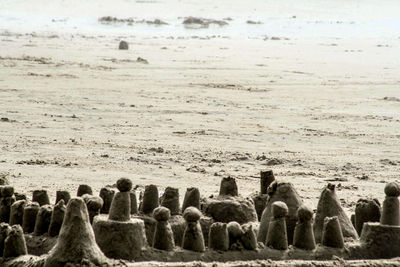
(188, 107)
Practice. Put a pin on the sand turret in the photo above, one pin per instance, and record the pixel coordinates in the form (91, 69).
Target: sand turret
(303, 233)
(192, 198)
(277, 235)
(170, 200)
(286, 193)
(329, 206)
(391, 205)
(57, 217)
(77, 233)
(41, 197)
(163, 236)
(367, 210)
(332, 233)
(218, 237)
(119, 236)
(193, 236)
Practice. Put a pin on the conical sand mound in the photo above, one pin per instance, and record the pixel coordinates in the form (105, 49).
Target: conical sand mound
(329, 206)
(76, 240)
(286, 193)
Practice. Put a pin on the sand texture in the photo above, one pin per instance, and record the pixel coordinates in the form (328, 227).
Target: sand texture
(76, 110)
(309, 91)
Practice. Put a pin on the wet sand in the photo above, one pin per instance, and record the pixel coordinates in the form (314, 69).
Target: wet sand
(76, 110)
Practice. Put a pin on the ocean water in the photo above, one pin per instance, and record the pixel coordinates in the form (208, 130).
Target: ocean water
(281, 18)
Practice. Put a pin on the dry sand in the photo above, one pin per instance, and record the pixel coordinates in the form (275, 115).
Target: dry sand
(76, 110)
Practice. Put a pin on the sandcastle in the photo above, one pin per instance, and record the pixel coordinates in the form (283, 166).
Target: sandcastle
(84, 189)
(7, 198)
(382, 239)
(241, 237)
(277, 237)
(57, 217)
(170, 200)
(17, 212)
(107, 194)
(329, 206)
(260, 199)
(120, 235)
(193, 235)
(303, 237)
(178, 223)
(218, 237)
(228, 205)
(150, 201)
(41, 197)
(77, 233)
(163, 236)
(192, 198)
(14, 243)
(62, 195)
(286, 193)
(93, 205)
(29, 217)
(367, 210)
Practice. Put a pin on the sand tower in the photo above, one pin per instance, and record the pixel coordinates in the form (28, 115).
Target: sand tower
(118, 235)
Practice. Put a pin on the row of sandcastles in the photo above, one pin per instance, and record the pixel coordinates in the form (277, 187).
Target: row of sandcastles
(272, 224)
